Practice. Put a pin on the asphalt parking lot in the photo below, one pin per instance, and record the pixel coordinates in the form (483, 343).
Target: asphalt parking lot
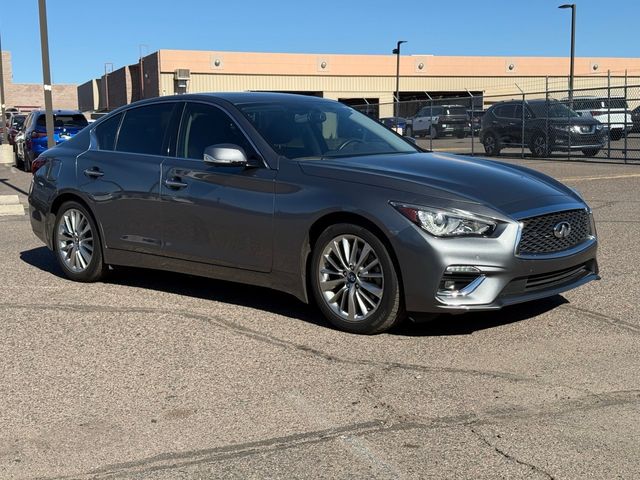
(163, 376)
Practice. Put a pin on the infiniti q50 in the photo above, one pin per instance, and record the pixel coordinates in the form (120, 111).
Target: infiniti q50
(310, 197)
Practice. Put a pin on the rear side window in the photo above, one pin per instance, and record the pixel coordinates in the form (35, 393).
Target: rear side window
(505, 111)
(106, 132)
(143, 129)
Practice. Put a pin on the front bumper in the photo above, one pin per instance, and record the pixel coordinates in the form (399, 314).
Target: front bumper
(504, 277)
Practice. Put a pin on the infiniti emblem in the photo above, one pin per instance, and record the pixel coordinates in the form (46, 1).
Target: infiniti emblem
(562, 230)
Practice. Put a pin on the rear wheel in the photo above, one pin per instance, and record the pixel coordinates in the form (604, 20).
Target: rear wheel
(491, 144)
(539, 146)
(77, 243)
(354, 280)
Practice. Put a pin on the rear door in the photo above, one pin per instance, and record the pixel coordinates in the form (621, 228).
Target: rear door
(120, 174)
(221, 215)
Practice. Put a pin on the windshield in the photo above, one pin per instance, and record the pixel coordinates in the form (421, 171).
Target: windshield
(311, 130)
(66, 121)
(552, 110)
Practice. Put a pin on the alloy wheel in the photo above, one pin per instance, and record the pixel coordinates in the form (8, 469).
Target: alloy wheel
(540, 146)
(351, 278)
(75, 240)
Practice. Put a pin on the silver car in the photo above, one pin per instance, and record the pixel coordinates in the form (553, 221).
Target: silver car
(310, 197)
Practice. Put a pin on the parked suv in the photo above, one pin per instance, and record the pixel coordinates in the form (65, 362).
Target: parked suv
(66, 124)
(635, 118)
(14, 125)
(439, 120)
(548, 126)
(612, 112)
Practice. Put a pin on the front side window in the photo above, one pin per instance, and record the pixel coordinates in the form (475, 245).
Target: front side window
(505, 111)
(205, 125)
(321, 129)
(143, 129)
(106, 132)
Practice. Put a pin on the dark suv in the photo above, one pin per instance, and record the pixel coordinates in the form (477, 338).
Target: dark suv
(549, 126)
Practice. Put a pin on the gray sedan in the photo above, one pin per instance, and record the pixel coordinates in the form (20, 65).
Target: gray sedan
(307, 196)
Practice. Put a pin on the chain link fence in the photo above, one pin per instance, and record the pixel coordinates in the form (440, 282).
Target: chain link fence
(597, 121)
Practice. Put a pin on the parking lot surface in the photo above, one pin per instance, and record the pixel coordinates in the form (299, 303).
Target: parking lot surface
(163, 376)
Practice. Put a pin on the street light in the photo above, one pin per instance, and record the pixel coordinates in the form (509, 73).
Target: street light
(106, 83)
(396, 52)
(572, 6)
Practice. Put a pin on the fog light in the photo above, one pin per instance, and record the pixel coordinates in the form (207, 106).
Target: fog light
(462, 269)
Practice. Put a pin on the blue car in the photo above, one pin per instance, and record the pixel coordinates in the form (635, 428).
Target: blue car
(66, 124)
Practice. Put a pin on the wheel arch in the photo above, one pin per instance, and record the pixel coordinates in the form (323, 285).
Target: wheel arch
(73, 197)
(333, 218)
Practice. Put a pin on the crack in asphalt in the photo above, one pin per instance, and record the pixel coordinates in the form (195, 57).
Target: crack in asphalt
(174, 460)
(511, 458)
(275, 341)
(616, 322)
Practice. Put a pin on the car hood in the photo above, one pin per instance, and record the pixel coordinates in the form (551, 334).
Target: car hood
(572, 121)
(507, 188)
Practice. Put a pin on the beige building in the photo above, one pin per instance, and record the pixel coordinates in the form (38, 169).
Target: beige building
(29, 96)
(354, 79)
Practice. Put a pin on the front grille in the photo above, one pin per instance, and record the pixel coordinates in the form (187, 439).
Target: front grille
(538, 235)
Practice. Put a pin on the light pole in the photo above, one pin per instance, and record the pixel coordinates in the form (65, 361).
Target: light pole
(572, 6)
(396, 52)
(46, 72)
(106, 83)
(3, 132)
(140, 47)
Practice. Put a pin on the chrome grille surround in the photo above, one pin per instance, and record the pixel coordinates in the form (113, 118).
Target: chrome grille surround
(537, 233)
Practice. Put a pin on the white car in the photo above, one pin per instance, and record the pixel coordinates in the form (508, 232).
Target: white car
(440, 120)
(612, 112)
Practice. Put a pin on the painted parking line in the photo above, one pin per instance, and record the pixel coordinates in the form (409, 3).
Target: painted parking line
(599, 177)
(10, 205)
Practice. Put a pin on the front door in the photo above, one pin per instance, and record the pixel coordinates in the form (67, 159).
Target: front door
(213, 214)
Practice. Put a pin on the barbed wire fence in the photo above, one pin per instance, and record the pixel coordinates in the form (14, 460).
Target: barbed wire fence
(609, 102)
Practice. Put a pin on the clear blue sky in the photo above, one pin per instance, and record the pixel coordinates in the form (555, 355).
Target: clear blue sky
(83, 35)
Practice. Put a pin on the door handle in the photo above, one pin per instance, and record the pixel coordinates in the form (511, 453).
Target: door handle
(175, 184)
(93, 172)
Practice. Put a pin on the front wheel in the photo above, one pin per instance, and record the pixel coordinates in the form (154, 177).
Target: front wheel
(409, 131)
(354, 280)
(433, 132)
(77, 244)
(590, 152)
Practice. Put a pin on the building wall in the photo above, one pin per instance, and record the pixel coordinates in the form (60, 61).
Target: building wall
(89, 95)
(31, 95)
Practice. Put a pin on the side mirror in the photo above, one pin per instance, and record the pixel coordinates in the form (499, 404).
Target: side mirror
(225, 155)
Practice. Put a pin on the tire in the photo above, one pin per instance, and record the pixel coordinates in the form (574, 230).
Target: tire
(78, 250)
(433, 132)
(461, 135)
(590, 152)
(616, 135)
(19, 163)
(408, 131)
(344, 290)
(539, 146)
(491, 144)
(26, 161)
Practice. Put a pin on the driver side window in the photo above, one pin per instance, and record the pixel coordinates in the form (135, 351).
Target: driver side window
(204, 125)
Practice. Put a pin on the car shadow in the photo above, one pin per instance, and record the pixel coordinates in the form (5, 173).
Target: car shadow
(280, 303)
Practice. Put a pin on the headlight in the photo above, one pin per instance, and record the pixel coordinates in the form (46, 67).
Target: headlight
(599, 127)
(447, 223)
